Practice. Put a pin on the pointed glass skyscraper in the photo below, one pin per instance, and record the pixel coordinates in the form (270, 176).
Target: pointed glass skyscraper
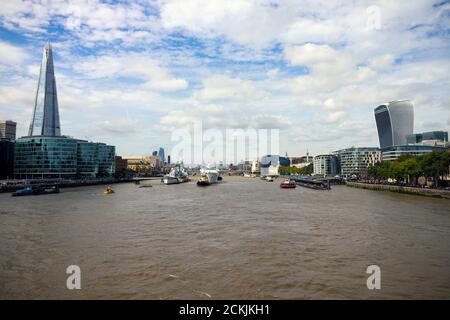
(45, 121)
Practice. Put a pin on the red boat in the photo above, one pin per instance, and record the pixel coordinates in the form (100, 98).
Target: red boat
(288, 184)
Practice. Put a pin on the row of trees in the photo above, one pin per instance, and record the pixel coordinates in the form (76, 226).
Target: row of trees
(409, 168)
(286, 170)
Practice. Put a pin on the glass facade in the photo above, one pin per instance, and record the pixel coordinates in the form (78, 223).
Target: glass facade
(62, 157)
(161, 156)
(392, 153)
(439, 138)
(395, 121)
(87, 159)
(45, 119)
(45, 157)
(326, 164)
(106, 160)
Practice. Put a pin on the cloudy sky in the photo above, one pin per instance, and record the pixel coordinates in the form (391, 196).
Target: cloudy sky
(129, 72)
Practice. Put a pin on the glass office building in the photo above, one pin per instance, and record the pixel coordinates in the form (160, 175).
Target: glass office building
(42, 157)
(433, 138)
(161, 155)
(106, 160)
(394, 152)
(326, 165)
(395, 120)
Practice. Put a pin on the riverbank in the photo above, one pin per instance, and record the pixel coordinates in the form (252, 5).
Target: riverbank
(400, 189)
(63, 184)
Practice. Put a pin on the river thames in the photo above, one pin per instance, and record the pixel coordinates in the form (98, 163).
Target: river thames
(241, 239)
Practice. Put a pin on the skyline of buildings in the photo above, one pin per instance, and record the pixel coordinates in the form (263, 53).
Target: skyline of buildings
(45, 153)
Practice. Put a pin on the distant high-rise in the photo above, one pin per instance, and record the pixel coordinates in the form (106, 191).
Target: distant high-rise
(45, 121)
(8, 130)
(161, 156)
(395, 120)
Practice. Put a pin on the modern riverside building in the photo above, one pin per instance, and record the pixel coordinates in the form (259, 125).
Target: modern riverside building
(326, 165)
(45, 153)
(356, 161)
(432, 138)
(41, 157)
(395, 120)
(8, 130)
(45, 157)
(95, 160)
(45, 121)
(270, 164)
(6, 159)
(394, 152)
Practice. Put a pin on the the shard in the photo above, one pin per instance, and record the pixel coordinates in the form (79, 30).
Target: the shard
(45, 121)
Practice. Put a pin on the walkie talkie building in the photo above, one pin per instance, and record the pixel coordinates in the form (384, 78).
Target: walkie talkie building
(395, 120)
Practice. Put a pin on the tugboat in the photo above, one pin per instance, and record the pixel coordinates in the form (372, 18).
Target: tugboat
(108, 190)
(288, 184)
(208, 176)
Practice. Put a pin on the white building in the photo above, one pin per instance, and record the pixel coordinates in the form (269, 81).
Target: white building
(355, 161)
(326, 165)
(255, 167)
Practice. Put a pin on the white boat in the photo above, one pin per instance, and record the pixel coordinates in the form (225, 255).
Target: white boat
(176, 175)
(249, 175)
(269, 179)
(208, 176)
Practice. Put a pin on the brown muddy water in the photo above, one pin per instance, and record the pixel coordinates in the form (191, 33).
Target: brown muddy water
(241, 239)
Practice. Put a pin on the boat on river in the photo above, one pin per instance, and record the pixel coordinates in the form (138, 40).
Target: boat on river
(288, 184)
(176, 175)
(37, 190)
(208, 177)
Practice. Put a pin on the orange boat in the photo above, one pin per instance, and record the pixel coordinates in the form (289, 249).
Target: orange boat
(288, 184)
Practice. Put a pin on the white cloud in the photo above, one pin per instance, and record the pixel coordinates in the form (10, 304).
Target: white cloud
(219, 87)
(11, 56)
(149, 71)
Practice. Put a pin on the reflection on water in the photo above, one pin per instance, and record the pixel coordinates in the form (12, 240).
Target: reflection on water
(244, 238)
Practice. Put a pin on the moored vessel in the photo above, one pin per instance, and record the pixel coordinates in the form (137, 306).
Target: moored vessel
(176, 175)
(37, 190)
